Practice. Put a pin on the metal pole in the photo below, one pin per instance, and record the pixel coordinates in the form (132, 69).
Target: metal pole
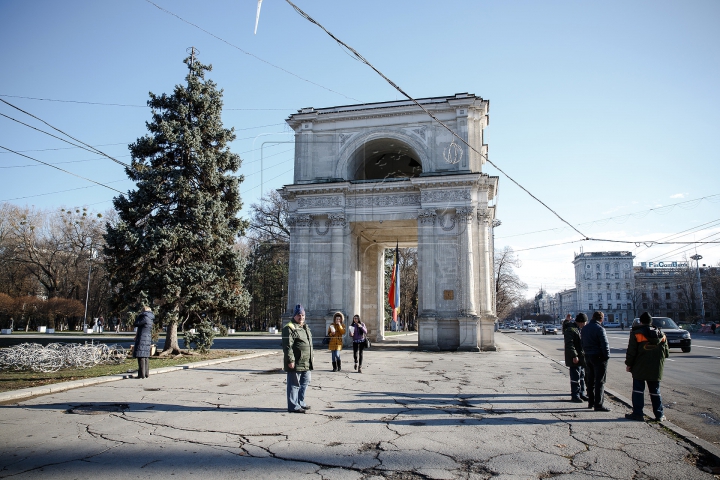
(87, 296)
(697, 259)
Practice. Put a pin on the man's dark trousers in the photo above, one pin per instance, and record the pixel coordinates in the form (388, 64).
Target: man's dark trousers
(638, 397)
(577, 381)
(595, 377)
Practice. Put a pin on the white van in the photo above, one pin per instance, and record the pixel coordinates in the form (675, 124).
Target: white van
(526, 324)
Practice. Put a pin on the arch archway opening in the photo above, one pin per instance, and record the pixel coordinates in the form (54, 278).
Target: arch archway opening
(384, 158)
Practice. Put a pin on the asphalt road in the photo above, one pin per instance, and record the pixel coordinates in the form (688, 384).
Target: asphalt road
(690, 386)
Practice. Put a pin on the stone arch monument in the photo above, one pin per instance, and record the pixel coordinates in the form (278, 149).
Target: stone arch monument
(370, 176)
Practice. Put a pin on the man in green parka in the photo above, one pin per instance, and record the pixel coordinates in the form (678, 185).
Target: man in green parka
(645, 358)
(298, 359)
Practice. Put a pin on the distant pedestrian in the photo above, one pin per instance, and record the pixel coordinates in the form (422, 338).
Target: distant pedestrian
(645, 358)
(575, 357)
(336, 332)
(568, 321)
(298, 359)
(713, 327)
(359, 332)
(143, 341)
(597, 353)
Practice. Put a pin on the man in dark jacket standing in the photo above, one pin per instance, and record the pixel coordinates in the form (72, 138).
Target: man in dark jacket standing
(298, 359)
(143, 341)
(645, 358)
(597, 353)
(575, 357)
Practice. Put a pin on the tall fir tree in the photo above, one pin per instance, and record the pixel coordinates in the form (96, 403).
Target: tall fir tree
(174, 242)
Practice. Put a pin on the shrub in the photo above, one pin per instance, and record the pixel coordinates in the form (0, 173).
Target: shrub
(202, 339)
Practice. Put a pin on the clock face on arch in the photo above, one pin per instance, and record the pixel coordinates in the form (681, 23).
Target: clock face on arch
(588, 266)
(626, 266)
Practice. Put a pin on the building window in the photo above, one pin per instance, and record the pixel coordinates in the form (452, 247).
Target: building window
(617, 275)
(617, 296)
(644, 296)
(599, 296)
(655, 295)
(627, 285)
(654, 286)
(590, 307)
(644, 305)
(607, 267)
(598, 276)
(656, 306)
(627, 296)
(667, 286)
(668, 306)
(618, 306)
(589, 286)
(667, 296)
(599, 306)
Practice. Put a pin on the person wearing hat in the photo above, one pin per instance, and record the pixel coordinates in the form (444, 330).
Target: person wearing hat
(597, 353)
(575, 357)
(298, 359)
(645, 359)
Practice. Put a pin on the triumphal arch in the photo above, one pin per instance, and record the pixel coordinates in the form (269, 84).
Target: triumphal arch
(368, 177)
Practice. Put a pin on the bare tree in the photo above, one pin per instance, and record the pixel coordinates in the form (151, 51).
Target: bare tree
(509, 288)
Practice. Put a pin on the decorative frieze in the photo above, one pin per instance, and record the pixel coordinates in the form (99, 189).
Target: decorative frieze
(439, 196)
(409, 199)
(318, 202)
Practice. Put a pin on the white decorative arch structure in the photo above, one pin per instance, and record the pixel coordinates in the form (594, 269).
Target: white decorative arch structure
(368, 177)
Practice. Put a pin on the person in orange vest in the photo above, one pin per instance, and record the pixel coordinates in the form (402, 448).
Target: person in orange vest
(645, 359)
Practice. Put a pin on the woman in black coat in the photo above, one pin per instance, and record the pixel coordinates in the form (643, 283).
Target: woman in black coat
(143, 341)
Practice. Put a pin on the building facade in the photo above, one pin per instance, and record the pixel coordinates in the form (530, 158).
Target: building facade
(604, 282)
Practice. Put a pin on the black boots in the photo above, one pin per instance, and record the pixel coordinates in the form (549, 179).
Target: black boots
(339, 363)
(334, 366)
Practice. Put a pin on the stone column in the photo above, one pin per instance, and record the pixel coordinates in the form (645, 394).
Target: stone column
(303, 224)
(337, 267)
(487, 316)
(467, 315)
(427, 315)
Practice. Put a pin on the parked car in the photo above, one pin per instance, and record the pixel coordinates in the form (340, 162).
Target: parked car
(611, 324)
(532, 328)
(677, 337)
(551, 329)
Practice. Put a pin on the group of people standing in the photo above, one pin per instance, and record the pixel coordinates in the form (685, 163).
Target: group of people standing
(587, 352)
(298, 352)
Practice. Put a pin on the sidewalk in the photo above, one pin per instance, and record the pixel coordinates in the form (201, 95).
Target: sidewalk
(409, 415)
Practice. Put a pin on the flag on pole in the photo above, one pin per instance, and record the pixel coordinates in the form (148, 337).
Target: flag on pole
(394, 293)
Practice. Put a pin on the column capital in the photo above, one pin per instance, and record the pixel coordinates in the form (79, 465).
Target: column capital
(465, 214)
(427, 216)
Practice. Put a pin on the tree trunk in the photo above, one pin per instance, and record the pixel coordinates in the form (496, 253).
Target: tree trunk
(171, 340)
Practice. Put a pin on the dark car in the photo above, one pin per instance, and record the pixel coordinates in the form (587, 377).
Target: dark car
(551, 329)
(676, 336)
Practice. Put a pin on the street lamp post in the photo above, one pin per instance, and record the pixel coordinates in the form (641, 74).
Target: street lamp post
(87, 292)
(697, 259)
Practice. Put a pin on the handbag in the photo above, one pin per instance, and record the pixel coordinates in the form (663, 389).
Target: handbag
(366, 343)
(326, 340)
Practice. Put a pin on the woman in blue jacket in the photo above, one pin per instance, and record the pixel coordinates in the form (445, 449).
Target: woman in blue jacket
(143, 341)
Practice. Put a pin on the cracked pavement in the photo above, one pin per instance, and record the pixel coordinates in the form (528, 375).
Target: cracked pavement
(409, 415)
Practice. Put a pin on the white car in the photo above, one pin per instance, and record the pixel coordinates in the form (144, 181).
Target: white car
(532, 328)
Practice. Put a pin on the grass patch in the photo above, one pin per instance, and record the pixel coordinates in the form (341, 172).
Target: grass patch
(10, 380)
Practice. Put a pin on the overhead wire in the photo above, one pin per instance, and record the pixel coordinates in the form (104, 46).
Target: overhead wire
(57, 163)
(452, 132)
(61, 169)
(138, 106)
(248, 53)
(59, 191)
(93, 149)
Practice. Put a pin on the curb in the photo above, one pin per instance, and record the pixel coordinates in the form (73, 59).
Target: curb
(63, 386)
(710, 448)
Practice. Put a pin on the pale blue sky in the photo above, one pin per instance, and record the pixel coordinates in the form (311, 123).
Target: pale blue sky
(600, 109)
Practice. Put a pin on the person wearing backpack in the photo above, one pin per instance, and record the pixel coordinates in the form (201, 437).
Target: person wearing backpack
(335, 334)
(645, 359)
(359, 330)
